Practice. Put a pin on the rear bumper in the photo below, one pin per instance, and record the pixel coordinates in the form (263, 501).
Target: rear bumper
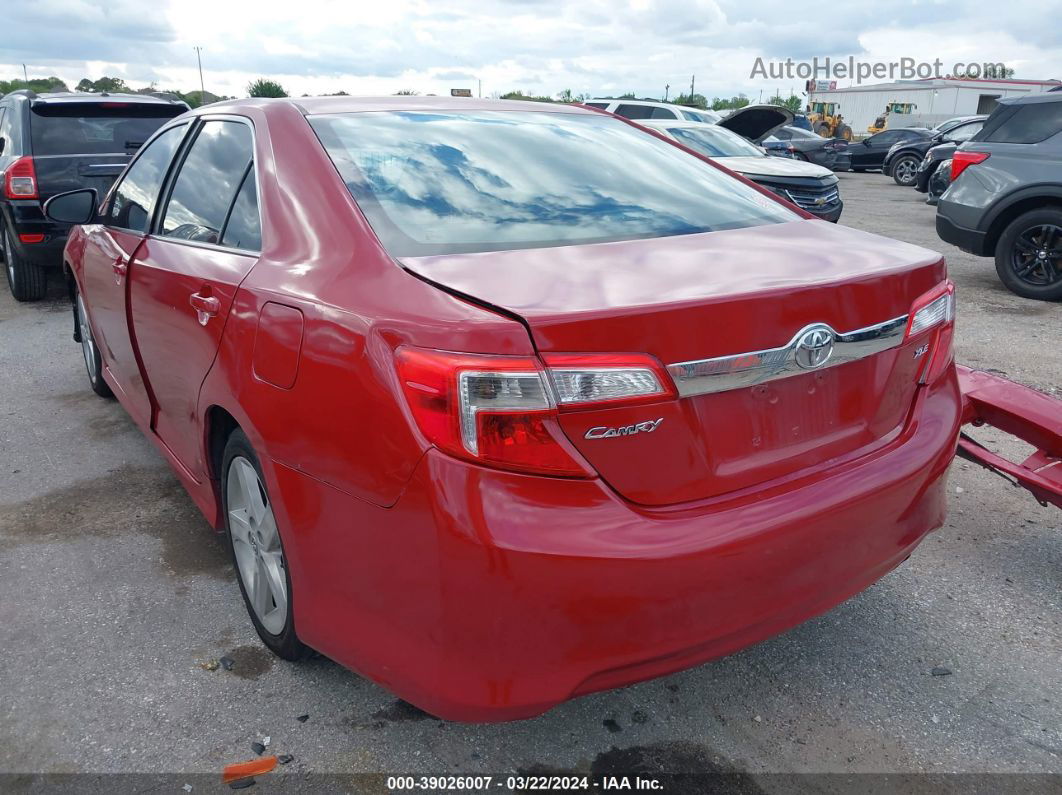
(485, 596)
(27, 218)
(969, 240)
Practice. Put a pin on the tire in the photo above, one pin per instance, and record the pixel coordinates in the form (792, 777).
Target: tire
(823, 130)
(845, 132)
(28, 281)
(905, 170)
(1029, 255)
(89, 350)
(257, 550)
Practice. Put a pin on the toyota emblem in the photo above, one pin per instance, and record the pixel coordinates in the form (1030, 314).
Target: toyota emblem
(814, 348)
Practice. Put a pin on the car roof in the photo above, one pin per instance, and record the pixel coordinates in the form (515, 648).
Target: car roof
(693, 125)
(652, 102)
(81, 97)
(310, 106)
(1032, 99)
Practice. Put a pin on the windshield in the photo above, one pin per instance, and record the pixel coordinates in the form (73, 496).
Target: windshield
(96, 128)
(715, 142)
(456, 182)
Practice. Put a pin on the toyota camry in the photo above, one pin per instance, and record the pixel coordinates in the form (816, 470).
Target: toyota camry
(500, 403)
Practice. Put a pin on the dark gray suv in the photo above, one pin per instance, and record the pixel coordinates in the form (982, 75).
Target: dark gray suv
(1005, 198)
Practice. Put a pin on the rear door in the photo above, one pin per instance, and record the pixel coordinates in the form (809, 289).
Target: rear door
(88, 144)
(104, 265)
(185, 275)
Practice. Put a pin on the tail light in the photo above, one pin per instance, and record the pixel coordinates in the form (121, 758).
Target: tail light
(20, 180)
(960, 161)
(934, 311)
(502, 410)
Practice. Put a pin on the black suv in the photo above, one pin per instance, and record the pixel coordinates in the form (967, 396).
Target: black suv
(51, 143)
(1005, 198)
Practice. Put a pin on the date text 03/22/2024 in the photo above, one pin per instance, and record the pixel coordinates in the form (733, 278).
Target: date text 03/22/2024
(521, 783)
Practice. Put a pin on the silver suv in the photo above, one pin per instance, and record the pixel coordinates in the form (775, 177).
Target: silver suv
(1005, 198)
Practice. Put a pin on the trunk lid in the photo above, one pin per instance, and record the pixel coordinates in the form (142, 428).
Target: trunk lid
(756, 122)
(733, 297)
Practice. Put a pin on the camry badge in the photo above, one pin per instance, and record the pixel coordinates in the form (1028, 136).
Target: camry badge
(603, 432)
(814, 347)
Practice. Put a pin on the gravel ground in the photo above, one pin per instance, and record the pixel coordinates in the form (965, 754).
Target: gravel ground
(116, 599)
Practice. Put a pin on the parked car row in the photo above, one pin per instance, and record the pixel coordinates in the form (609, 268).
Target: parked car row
(997, 183)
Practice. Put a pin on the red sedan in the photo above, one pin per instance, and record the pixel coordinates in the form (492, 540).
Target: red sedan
(502, 403)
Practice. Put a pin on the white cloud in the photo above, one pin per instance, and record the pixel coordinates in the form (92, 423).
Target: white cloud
(540, 46)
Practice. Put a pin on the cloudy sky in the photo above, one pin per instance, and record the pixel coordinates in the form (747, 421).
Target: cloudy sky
(540, 46)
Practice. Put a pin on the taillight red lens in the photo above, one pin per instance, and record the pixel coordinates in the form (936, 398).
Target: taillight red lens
(20, 180)
(933, 313)
(502, 410)
(494, 410)
(960, 161)
(31, 238)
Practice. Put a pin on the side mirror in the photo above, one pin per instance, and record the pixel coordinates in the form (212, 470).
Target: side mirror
(73, 207)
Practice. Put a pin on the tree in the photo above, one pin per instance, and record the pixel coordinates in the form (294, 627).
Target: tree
(525, 97)
(112, 85)
(406, 92)
(265, 88)
(41, 85)
(694, 100)
(793, 102)
(739, 101)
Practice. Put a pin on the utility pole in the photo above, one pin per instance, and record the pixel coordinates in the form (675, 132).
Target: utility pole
(693, 79)
(25, 75)
(479, 91)
(667, 88)
(202, 91)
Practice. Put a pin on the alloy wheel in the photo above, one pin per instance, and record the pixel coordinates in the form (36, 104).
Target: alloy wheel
(904, 171)
(88, 344)
(256, 545)
(1036, 257)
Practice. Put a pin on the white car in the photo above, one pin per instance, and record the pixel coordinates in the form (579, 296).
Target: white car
(810, 187)
(639, 109)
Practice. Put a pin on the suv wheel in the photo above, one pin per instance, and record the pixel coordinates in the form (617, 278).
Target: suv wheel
(27, 280)
(93, 362)
(1029, 255)
(905, 170)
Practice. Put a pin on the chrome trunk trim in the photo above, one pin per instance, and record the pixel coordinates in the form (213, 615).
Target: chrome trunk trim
(739, 370)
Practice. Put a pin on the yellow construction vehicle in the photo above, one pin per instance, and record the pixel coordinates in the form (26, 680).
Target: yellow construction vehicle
(827, 121)
(893, 107)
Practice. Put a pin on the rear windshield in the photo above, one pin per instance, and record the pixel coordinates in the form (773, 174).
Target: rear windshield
(441, 183)
(715, 141)
(95, 128)
(1022, 124)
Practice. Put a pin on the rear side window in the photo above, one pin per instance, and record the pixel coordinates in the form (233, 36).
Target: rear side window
(1023, 124)
(135, 196)
(95, 128)
(599, 105)
(438, 183)
(644, 112)
(244, 227)
(7, 122)
(208, 181)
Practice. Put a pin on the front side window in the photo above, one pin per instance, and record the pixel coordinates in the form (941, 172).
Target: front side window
(449, 182)
(135, 196)
(208, 181)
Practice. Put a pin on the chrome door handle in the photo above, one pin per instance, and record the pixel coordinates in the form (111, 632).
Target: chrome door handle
(120, 266)
(206, 306)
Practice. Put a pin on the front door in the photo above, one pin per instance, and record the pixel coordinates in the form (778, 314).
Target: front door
(184, 277)
(109, 248)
